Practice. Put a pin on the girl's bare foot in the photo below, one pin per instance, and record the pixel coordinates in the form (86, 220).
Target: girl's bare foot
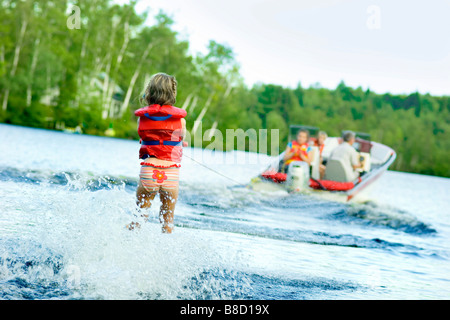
(166, 229)
(133, 225)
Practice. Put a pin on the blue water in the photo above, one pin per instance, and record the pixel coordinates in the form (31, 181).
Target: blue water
(66, 198)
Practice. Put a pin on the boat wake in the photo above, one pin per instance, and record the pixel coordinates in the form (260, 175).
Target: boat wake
(73, 243)
(385, 216)
(73, 180)
(229, 284)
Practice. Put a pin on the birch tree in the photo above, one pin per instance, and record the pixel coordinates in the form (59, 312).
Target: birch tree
(24, 16)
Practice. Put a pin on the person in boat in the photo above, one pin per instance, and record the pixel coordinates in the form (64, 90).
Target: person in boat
(347, 155)
(321, 137)
(161, 128)
(298, 150)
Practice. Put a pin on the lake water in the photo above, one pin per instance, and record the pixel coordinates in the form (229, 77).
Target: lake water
(65, 200)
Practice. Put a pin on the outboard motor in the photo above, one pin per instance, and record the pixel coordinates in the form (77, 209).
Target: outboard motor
(297, 176)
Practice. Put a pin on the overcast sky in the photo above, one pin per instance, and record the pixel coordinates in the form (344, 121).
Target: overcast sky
(397, 46)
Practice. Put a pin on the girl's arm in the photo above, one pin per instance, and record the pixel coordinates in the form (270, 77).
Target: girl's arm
(288, 154)
(139, 118)
(183, 128)
(308, 158)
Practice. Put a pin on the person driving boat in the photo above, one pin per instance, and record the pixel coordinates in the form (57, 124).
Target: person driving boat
(344, 161)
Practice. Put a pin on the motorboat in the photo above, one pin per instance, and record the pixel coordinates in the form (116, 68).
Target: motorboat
(337, 183)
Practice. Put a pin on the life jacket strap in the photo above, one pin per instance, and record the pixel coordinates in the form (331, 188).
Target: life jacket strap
(165, 142)
(155, 118)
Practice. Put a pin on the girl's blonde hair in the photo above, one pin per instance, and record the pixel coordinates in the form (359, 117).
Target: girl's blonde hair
(162, 90)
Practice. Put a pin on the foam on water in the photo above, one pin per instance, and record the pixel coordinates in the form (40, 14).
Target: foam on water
(63, 235)
(83, 232)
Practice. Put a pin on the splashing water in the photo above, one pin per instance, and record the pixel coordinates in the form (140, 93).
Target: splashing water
(63, 235)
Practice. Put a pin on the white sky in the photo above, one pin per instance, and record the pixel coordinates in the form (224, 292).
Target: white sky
(289, 41)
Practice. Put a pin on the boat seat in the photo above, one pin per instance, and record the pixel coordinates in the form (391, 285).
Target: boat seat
(336, 170)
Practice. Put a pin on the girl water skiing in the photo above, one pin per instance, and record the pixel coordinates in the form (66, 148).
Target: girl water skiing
(161, 128)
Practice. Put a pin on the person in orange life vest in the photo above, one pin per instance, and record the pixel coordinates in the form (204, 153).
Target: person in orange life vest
(161, 128)
(321, 137)
(298, 150)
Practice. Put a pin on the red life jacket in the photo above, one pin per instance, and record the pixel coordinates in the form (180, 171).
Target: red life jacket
(297, 149)
(160, 130)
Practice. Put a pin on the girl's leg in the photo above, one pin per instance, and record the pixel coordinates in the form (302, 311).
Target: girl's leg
(144, 200)
(169, 199)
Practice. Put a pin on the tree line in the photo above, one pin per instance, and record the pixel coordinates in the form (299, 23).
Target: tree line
(93, 78)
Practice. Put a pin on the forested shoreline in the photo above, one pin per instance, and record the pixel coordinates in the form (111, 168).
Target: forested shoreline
(55, 77)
